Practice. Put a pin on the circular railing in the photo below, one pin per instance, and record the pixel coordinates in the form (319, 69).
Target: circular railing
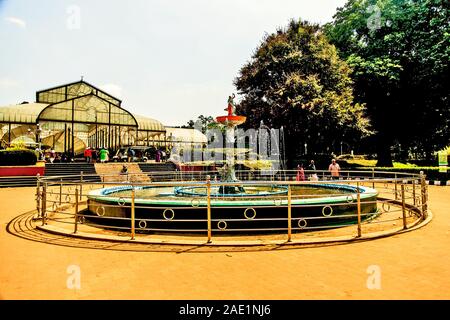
(81, 204)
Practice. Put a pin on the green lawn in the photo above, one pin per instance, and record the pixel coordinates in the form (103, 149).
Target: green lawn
(398, 165)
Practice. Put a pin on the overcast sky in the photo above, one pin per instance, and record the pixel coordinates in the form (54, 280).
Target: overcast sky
(171, 60)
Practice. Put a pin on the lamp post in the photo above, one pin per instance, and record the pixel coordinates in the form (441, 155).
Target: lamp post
(306, 148)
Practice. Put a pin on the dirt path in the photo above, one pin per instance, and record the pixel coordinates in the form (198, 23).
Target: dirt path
(412, 265)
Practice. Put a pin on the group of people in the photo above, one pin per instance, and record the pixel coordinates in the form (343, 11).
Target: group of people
(160, 156)
(93, 155)
(333, 168)
(50, 155)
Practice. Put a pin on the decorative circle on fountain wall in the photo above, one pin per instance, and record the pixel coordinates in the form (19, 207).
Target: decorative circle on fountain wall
(222, 225)
(195, 203)
(252, 216)
(302, 223)
(326, 213)
(142, 224)
(172, 214)
(100, 212)
(121, 202)
(350, 198)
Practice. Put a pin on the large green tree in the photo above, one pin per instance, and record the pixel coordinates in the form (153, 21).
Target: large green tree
(295, 79)
(399, 53)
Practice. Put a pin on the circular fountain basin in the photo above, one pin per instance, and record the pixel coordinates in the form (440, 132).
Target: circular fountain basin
(261, 208)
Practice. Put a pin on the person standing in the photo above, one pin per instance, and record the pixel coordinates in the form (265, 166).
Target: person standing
(300, 173)
(94, 155)
(335, 169)
(52, 155)
(88, 154)
(130, 155)
(312, 166)
(103, 155)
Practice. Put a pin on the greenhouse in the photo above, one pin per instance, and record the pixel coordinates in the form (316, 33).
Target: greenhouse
(71, 117)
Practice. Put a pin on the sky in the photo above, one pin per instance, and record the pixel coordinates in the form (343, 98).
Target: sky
(170, 60)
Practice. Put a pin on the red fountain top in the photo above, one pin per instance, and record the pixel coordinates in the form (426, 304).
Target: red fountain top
(231, 119)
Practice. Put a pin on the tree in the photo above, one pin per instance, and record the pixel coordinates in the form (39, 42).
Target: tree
(295, 79)
(202, 122)
(399, 53)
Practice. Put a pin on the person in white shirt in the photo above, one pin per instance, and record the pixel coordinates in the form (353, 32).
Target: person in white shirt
(334, 168)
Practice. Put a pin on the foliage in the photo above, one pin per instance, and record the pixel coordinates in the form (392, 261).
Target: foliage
(256, 164)
(17, 157)
(202, 123)
(399, 52)
(295, 79)
(19, 144)
(431, 173)
(251, 164)
(373, 163)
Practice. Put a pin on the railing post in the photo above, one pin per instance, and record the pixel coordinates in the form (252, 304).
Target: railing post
(208, 211)
(60, 191)
(81, 184)
(44, 203)
(133, 195)
(38, 194)
(358, 204)
(414, 190)
(395, 185)
(403, 206)
(289, 214)
(373, 178)
(76, 211)
(423, 191)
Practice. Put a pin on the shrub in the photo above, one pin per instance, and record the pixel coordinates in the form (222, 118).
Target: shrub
(20, 157)
(431, 173)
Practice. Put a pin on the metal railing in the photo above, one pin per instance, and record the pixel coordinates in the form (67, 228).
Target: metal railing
(401, 199)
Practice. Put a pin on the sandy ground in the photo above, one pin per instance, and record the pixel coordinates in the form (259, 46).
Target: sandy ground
(413, 265)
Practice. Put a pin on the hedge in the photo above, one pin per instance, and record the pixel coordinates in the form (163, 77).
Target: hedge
(17, 158)
(430, 173)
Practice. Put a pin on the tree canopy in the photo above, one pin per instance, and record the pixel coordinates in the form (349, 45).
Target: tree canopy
(399, 52)
(296, 79)
(202, 122)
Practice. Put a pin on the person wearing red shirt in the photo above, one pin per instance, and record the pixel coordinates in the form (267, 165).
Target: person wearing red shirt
(88, 154)
(300, 173)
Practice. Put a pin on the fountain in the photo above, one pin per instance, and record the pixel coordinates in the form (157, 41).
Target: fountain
(228, 173)
(241, 206)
